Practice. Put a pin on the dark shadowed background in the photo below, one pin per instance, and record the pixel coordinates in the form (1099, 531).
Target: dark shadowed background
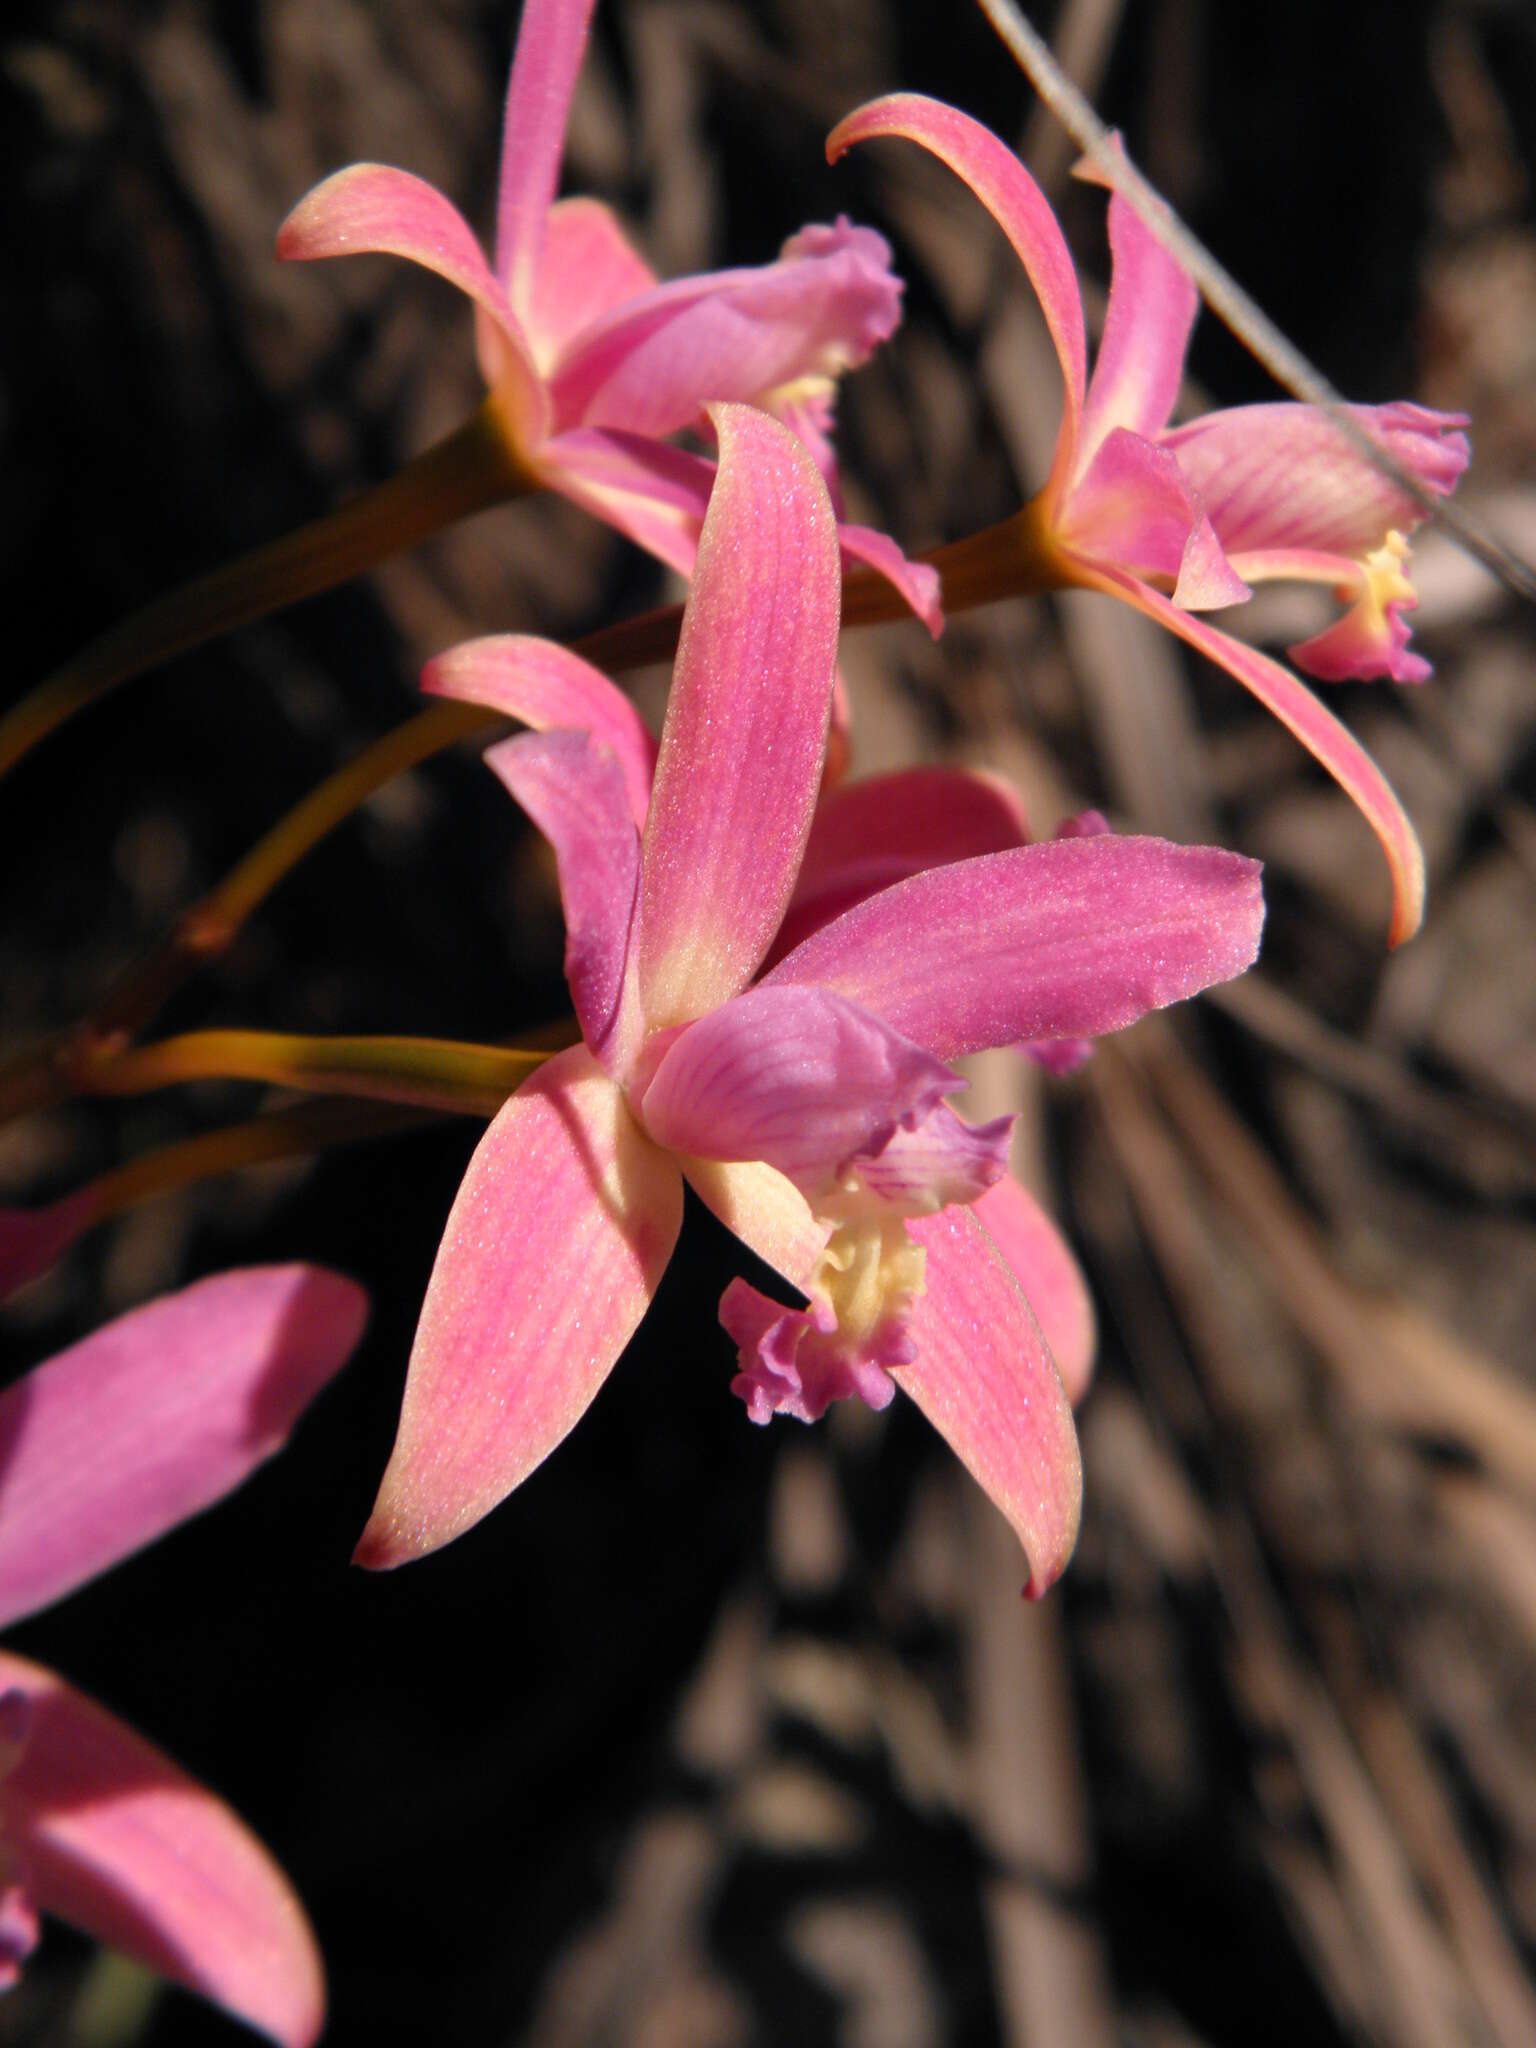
(720, 1736)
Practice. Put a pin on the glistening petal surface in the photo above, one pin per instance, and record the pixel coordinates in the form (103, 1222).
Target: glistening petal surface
(746, 725)
(1048, 1276)
(1068, 939)
(1018, 206)
(1328, 742)
(156, 1416)
(557, 1238)
(121, 1843)
(546, 686)
(985, 1379)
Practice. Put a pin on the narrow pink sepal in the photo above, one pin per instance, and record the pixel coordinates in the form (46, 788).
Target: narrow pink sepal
(31, 1240)
(1068, 939)
(746, 724)
(1018, 206)
(156, 1416)
(1134, 507)
(1328, 742)
(588, 268)
(654, 364)
(372, 209)
(655, 494)
(767, 1212)
(804, 1080)
(1287, 476)
(1049, 1278)
(985, 1379)
(868, 834)
(551, 37)
(559, 1233)
(916, 583)
(120, 1842)
(549, 688)
(1152, 308)
(572, 787)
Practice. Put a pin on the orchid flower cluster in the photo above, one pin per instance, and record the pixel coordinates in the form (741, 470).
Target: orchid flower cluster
(772, 970)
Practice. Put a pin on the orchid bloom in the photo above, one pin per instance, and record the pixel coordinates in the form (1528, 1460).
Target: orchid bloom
(808, 1109)
(104, 1448)
(1179, 520)
(591, 363)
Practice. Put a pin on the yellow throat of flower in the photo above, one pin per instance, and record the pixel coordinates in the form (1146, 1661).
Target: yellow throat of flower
(869, 1275)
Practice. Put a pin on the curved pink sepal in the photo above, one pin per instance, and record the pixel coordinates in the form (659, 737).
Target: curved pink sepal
(117, 1840)
(746, 724)
(1068, 939)
(549, 688)
(559, 1233)
(1018, 206)
(1152, 308)
(915, 583)
(655, 494)
(1049, 1278)
(1324, 738)
(156, 1416)
(551, 36)
(587, 269)
(985, 1379)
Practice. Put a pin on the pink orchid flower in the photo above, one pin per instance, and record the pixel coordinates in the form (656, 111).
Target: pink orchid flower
(103, 1449)
(807, 1109)
(591, 362)
(1179, 520)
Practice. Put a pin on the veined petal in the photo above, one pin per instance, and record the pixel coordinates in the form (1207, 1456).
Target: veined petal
(746, 725)
(559, 1233)
(767, 1212)
(985, 1379)
(573, 788)
(156, 1416)
(1049, 1277)
(796, 1077)
(121, 1843)
(1020, 209)
(653, 365)
(1068, 939)
(551, 37)
(1152, 308)
(654, 494)
(868, 834)
(916, 583)
(548, 687)
(1328, 742)
(940, 1160)
(588, 268)
(1287, 476)
(371, 209)
(1134, 507)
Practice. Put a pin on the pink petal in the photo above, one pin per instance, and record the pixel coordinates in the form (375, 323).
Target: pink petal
(1286, 476)
(548, 687)
(1133, 507)
(1152, 308)
(559, 1233)
(573, 789)
(32, 1239)
(794, 1076)
(1068, 939)
(156, 1416)
(370, 209)
(588, 268)
(746, 725)
(1048, 1276)
(868, 834)
(551, 37)
(655, 363)
(941, 1159)
(653, 494)
(1018, 206)
(1318, 730)
(122, 1844)
(915, 583)
(767, 1212)
(984, 1378)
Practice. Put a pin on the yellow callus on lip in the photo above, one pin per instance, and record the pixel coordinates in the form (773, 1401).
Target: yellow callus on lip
(869, 1275)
